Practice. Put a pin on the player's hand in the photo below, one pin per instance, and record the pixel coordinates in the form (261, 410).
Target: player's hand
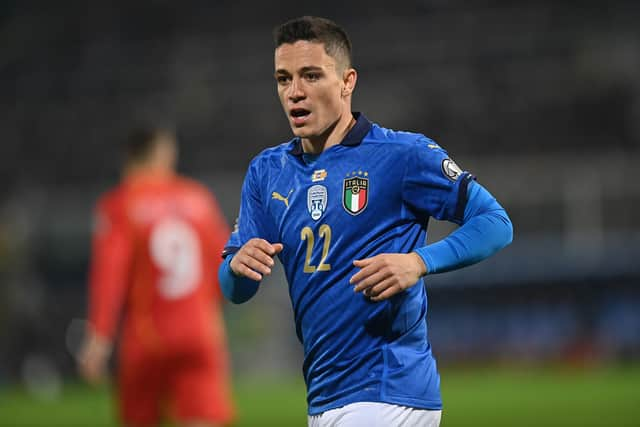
(382, 276)
(255, 259)
(93, 358)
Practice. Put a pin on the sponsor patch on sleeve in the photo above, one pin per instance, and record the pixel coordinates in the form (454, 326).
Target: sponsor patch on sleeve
(450, 169)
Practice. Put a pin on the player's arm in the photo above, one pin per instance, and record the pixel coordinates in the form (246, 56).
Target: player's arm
(485, 229)
(110, 261)
(248, 258)
(240, 273)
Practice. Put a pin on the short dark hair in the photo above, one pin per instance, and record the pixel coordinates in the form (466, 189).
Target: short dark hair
(312, 28)
(141, 142)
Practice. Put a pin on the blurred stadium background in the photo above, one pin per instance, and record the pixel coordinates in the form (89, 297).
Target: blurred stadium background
(540, 99)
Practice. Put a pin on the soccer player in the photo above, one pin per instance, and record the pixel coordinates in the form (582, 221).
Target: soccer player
(345, 206)
(156, 246)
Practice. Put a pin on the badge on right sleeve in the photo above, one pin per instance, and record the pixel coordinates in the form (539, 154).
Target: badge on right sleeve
(451, 170)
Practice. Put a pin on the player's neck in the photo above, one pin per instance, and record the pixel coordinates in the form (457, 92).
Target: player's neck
(333, 136)
(134, 172)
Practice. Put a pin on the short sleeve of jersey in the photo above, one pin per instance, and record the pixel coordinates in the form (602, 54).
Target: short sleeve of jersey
(434, 186)
(252, 220)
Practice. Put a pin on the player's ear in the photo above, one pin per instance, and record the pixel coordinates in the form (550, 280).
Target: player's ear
(349, 78)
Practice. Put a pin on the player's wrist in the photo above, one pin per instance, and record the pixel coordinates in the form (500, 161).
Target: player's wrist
(421, 266)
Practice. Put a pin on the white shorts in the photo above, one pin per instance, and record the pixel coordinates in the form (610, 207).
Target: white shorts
(374, 414)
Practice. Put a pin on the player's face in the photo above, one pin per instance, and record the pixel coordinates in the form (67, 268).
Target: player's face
(311, 87)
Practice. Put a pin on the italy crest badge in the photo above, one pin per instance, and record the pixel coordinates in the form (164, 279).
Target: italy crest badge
(355, 194)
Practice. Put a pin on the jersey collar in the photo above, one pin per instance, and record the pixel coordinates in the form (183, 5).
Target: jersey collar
(354, 136)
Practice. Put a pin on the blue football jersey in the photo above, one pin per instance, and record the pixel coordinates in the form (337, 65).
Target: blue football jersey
(373, 193)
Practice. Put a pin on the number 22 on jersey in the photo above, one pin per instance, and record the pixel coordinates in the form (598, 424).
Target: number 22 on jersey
(324, 233)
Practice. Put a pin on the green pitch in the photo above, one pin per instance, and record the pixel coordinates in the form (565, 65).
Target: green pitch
(473, 397)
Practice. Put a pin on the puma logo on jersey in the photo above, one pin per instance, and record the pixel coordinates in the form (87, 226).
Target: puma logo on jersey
(278, 196)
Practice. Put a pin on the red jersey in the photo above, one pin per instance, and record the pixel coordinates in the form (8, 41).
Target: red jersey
(156, 252)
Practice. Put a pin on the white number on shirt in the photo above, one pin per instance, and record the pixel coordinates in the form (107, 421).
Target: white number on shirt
(175, 250)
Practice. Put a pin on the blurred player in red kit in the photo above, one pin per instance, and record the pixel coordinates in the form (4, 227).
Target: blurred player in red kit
(155, 258)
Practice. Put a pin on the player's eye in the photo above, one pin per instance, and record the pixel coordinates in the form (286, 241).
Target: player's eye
(312, 77)
(282, 79)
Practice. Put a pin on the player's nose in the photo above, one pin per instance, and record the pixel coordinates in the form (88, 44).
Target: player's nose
(296, 92)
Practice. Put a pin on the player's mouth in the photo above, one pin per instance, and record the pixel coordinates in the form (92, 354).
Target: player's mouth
(299, 115)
